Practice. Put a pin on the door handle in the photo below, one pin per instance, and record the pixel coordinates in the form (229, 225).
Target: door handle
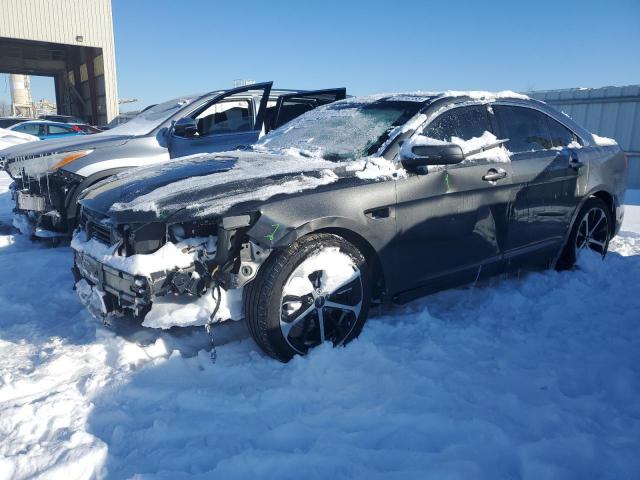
(575, 164)
(377, 213)
(494, 175)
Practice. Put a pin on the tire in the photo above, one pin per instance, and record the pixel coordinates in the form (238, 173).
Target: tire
(301, 287)
(591, 230)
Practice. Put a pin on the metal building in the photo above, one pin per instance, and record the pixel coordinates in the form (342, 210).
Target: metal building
(69, 40)
(608, 111)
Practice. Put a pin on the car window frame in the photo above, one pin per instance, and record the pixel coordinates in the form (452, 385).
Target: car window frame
(581, 139)
(574, 134)
(242, 93)
(503, 134)
(67, 130)
(251, 101)
(37, 126)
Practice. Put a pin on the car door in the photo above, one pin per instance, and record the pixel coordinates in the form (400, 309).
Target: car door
(543, 181)
(452, 219)
(292, 105)
(231, 119)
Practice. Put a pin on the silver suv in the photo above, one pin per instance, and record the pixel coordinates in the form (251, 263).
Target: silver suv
(48, 177)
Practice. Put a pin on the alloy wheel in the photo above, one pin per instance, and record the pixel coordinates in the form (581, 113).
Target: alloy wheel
(593, 231)
(321, 300)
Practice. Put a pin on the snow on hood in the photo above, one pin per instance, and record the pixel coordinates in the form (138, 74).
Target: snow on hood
(210, 184)
(246, 166)
(9, 138)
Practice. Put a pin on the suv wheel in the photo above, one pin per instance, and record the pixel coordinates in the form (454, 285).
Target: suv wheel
(316, 290)
(591, 230)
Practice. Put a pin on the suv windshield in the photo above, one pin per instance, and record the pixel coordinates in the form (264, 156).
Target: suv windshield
(343, 130)
(146, 121)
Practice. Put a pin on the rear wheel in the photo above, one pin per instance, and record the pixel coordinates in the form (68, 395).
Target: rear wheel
(591, 230)
(317, 290)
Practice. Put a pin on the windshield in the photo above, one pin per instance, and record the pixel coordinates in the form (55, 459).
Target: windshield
(340, 131)
(148, 120)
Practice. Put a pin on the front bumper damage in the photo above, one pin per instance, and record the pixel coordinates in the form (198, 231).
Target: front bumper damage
(108, 290)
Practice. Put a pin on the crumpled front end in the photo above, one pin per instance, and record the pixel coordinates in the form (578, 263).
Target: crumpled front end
(178, 275)
(41, 204)
(42, 189)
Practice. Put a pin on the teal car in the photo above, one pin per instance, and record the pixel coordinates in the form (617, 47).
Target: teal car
(45, 130)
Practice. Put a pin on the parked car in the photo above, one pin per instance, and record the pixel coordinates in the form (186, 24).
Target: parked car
(6, 122)
(62, 119)
(75, 122)
(216, 121)
(45, 130)
(364, 200)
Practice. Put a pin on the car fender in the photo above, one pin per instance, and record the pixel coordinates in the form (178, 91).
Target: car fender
(71, 202)
(287, 235)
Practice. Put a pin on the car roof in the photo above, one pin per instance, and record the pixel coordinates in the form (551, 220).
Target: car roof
(47, 122)
(427, 96)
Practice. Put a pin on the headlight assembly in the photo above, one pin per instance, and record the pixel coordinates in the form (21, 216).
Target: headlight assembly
(62, 159)
(40, 165)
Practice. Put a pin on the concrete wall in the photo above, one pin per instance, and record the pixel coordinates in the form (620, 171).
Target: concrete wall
(80, 23)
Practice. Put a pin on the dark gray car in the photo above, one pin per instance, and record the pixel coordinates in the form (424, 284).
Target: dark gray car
(376, 199)
(49, 177)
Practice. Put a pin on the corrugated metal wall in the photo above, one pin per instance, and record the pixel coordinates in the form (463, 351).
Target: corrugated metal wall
(608, 111)
(63, 21)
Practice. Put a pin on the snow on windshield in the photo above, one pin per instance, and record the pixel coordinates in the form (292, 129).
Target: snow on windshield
(343, 130)
(146, 121)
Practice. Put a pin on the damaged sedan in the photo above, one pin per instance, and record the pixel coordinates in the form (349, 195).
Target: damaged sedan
(362, 201)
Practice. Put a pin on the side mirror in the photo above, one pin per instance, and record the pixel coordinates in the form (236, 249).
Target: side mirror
(425, 155)
(185, 127)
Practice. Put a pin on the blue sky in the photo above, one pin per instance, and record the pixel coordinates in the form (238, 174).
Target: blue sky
(169, 48)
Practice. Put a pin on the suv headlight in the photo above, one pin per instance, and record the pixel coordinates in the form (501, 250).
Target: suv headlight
(40, 165)
(59, 160)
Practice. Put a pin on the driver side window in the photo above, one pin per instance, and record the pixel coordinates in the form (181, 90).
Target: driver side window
(230, 116)
(464, 123)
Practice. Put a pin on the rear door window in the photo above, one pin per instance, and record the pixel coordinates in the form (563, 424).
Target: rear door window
(526, 129)
(462, 122)
(561, 136)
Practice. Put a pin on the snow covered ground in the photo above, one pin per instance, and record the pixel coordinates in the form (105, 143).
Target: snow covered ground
(532, 377)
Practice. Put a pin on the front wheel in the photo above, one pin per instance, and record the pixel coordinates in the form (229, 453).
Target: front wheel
(316, 290)
(591, 230)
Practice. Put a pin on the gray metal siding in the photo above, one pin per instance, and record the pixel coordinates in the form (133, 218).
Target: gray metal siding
(608, 111)
(61, 21)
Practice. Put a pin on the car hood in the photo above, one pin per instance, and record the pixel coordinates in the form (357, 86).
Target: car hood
(16, 156)
(207, 185)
